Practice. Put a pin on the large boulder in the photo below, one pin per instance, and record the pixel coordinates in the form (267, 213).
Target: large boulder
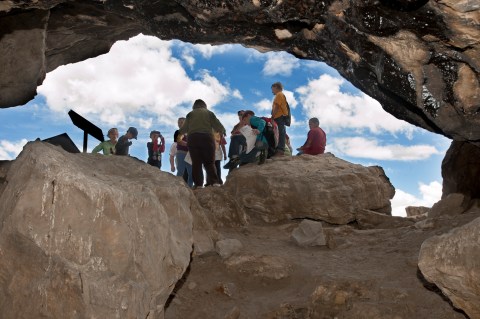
(90, 236)
(320, 187)
(461, 170)
(452, 262)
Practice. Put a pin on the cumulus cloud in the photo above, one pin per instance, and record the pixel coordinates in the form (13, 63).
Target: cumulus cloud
(280, 63)
(208, 50)
(336, 110)
(430, 194)
(138, 76)
(369, 148)
(10, 150)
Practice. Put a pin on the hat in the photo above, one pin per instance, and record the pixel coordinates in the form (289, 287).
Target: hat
(133, 131)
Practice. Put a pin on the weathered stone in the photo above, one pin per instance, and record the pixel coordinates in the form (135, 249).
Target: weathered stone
(461, 170)
(420, 59)
(368, 219)
(228, 247)
(452, 262)
(317, 187)
(309, 233)
(77, 242)
(272, 267)
(203, 244)
(413, 211)
(451, 205)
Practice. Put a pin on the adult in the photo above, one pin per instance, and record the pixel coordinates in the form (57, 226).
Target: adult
(173, 152)
(184, 169)
(108, 147)
(237, 141)
(200, 125)
(316, 139)
(279, 115)
(155, 149)
(261, 144)
(220, 153)
(123, 144)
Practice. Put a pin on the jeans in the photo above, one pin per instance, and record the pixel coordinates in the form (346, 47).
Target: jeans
(282, 133)
(202, 150)
(252, 156)
(182, 166)
(237, 143)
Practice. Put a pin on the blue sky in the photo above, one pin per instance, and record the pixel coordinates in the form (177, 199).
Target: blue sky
(148, 83)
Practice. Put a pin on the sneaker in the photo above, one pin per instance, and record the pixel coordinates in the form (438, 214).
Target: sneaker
(216, 185)
(232, 163)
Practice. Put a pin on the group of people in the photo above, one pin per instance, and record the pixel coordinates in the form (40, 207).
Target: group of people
(199, 142)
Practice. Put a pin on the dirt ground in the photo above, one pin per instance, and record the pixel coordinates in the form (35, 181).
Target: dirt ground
(359, 274)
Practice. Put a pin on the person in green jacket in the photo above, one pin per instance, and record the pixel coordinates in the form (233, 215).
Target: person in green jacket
(108, 147)
(200, 124)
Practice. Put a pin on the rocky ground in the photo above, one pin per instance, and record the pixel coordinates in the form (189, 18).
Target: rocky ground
(358, 274)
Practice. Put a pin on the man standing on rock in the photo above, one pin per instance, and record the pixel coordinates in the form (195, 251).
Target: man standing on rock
(316, 139)
(123, 144)
(199, 126)
(279, 115)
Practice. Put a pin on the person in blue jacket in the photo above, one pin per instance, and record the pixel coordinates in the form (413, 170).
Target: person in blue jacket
(261, 144)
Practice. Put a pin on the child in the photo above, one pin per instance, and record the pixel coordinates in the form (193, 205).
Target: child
(155, 149)
(108, 147)
(123, 144)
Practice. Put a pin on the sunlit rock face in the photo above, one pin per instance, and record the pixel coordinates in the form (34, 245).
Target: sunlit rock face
(420, 58)
(451, 261)
(90, 236)
(321, 187)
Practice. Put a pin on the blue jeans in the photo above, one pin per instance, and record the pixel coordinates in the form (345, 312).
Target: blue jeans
(252, 156)
(237, 143)
(282, 133)
(182, 166)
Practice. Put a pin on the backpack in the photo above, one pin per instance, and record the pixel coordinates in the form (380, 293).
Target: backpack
(288, 117)
(271, 135)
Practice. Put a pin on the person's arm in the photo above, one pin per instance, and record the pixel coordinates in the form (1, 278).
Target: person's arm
(258, 123)
(122, 145)
(222, 144)
(98, 148)
(162, 145)
(307, 144)
(217, 126)
(172, 163)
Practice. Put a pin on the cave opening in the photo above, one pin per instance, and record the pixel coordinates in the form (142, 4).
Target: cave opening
(148, 83)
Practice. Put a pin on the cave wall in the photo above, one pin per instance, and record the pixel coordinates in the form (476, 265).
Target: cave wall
(420, 59)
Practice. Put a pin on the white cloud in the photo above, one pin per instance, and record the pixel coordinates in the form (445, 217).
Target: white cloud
(10, 150)
(208, 50)
(280, 63)
(236, 94)
(369, 148)
(264, 105)
(430, 194)
(322, 98)
(136, 76)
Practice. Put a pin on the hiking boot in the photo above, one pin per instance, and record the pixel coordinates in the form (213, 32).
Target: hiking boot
(233, 163)
(262, 158)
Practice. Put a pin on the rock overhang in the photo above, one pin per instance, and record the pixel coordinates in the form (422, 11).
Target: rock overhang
(419, 59)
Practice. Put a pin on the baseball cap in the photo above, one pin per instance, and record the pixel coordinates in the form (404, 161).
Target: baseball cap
(133, 131)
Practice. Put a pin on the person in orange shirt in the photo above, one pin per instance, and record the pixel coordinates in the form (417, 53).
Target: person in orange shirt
(279, 114)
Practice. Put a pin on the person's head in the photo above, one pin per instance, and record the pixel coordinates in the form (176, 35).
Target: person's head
(240, 114)
(154, 135)
(277, 87)
(180, 121)
(313, 122)
(175, 136)
(113, 134)
(199, 104)
(247, 115)
(132, 133)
